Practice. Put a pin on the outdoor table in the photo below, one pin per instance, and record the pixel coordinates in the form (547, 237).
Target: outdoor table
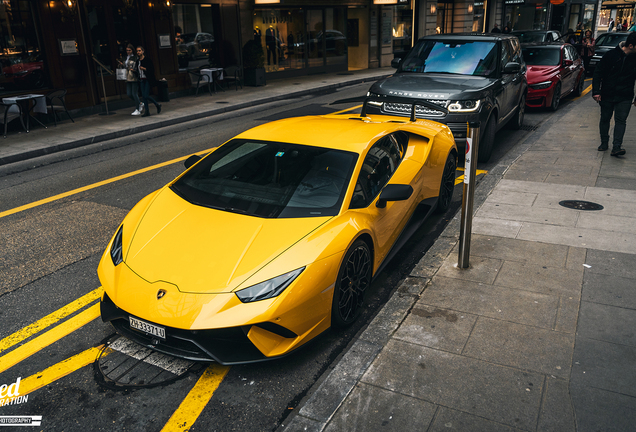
(30, 103)
(215, 74)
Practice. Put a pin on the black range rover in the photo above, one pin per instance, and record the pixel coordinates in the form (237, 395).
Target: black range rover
(477, 77)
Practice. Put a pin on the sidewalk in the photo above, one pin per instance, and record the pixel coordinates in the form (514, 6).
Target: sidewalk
(92, 129)
(537, 335)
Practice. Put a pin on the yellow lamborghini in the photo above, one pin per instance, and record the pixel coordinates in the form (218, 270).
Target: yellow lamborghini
(274, 236)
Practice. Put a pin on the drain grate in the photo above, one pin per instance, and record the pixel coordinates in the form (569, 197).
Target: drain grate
(580, 205)
(124, 364)
(529, 128)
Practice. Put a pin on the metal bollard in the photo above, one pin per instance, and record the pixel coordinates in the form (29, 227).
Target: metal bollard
(470, 169)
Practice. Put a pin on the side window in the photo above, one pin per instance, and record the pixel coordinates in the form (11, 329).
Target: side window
(378, 168)
(505, 54)
(574, 54)
(567, 54)
(516, 51)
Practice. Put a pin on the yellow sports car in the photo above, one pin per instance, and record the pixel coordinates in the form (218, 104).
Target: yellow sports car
(274, 236)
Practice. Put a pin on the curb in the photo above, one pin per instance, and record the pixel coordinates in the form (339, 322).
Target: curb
(329, 88)
(323, 402)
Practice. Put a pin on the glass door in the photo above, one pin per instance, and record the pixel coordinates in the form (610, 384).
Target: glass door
(316, 39)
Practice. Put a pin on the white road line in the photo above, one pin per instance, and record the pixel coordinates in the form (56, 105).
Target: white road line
(163, 361)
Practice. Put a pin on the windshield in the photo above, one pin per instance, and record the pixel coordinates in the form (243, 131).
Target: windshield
(542, 56)
(463, 57)
(530, 37)
(269, 179)
(611, 39)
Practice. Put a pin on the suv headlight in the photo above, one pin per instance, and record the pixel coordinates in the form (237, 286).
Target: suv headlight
(116, 249)
(541, 85)
(374, 103)
(464, 106)
(269, 288)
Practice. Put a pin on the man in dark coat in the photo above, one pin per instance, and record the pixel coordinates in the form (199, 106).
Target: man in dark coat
(613, 89)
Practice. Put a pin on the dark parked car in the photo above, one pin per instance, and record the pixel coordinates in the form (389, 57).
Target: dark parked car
(536, 36)
(477, 77)
(554, 70)
(604, 43)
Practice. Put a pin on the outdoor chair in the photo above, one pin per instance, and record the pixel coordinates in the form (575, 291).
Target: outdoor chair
(56, 101)
(199, 80)
(233, 74)
(10, 112)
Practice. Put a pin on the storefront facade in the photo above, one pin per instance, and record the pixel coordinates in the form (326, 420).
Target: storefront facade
(63, 44)
(621, 12)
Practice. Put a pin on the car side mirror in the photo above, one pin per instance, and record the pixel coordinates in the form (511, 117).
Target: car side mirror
(394, 192)
(567, 63)
(395, 63)
(191, 161)
(512, 67)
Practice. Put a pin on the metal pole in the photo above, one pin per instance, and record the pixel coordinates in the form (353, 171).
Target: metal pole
(104, 88)
(470, 169)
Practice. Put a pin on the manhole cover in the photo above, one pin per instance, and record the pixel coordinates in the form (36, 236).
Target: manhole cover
(123, 363)
(581, 205)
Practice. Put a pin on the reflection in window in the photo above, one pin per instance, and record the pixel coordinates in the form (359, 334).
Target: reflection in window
(21, 58)
(194, 32)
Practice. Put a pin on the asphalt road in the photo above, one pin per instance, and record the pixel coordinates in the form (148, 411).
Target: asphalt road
(48, 259)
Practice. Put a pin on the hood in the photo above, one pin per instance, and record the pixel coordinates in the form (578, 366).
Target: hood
(203, 250)
(537, 74)
(433, 86)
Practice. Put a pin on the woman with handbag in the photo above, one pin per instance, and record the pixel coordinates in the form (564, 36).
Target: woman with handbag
(132, 82)
(587, 48)
(146, 77)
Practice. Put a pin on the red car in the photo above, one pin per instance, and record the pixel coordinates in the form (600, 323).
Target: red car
(554, 70)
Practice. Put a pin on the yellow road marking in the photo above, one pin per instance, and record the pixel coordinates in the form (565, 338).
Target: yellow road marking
(57, 371)
(50, 319)
(16, 356)
(586, 91)
(345, 110)
(191, 407)
(460, 179)
(96, 185)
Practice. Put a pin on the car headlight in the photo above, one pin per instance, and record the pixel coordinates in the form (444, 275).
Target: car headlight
(464, 106)
(541, 85)
(374, 103)
(269, 288)
(116, 250)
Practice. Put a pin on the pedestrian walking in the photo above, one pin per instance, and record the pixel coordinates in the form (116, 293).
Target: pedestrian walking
(613, 89)
(495, 29)
(146, 79)
(132, 79)
(587, 48)
(610, 26)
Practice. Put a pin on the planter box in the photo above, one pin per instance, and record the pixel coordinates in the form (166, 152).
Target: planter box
(254, 77)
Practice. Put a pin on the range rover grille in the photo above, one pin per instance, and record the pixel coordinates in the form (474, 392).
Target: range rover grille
(399, 108)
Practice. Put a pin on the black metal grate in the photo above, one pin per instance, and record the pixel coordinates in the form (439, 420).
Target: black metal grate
(580, 205)
(529, 128)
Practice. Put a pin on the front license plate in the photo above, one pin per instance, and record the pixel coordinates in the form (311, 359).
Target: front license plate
(148, 328)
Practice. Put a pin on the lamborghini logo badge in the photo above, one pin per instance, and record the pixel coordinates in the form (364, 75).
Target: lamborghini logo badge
(160, 294)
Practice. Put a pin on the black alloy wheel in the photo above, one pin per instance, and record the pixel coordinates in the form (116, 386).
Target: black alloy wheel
(517, 122)
(556, 98)
(487, 141)
(354, 277)
(448, 184)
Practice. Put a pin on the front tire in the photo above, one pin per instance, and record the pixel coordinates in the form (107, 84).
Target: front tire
(488, 141)
(354, 277)
(580, 85)
(517, 122)
(556, 98)
(448, 184)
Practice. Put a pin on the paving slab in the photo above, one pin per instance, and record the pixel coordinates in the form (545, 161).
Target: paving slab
(523, 307)
(521, 251)
(482, 269)
(450, 420)
(521, 346)
(496, 227)
(557, 410)
(442, 329)
(561, 217)
(541, 278)
(497, 393)
(609, 290)
(611, 263)
(604, 365)
(601, 410)
(607, 323)
(370, 408)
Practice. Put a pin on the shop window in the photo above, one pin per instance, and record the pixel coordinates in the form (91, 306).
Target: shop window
(21, 58)
(402, 30)
(588, 16)
(334, 36)
(604, 17)
(194, 34)
(281, 33)
(575, 13)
